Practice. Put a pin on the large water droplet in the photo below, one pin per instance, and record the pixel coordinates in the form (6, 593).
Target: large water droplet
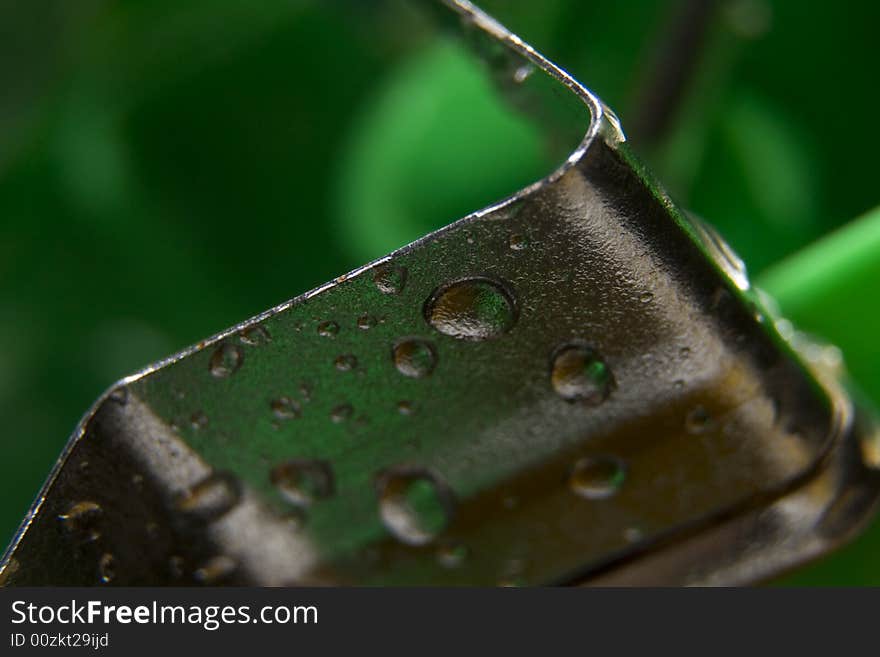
(478, 308)
(390, 279)
(579, 374)
(414, 358)
(226, 360)
(211, 498)
(414, 503)
(82, 520)
(303, 481)
(597, 477)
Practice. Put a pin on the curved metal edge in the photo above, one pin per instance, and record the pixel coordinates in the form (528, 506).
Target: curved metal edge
(603, 123)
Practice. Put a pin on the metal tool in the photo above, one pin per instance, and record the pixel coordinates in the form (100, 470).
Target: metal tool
(576, 385)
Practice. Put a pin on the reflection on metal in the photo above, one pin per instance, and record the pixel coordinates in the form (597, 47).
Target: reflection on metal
(575, 385)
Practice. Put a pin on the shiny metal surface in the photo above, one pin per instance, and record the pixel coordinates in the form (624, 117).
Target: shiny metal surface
(575, 385)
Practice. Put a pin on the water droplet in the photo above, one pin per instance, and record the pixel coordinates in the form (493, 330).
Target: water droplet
(472, 309)
(579, 374)
(452, 555)
(365, 322)
(211, 498)
(697, 420)
(414, 358)
(341, 413)
(328, 329)
(255, 336)
(345, 362)
(517, 242)
(303, 481)
(597, 477)
(390, 279)
(107, 568)
(414, 503)
(285, 408)
(215, 570)
(82, 519)
(226, 360)
(405, 408)
(523, 73)
(646, 297)
(678, 384)
(198, 420)
(120, 395)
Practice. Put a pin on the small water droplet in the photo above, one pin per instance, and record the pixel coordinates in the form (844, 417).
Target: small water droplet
(414, 503)
(579, 374)
(365, 322)
(414, 357)
(211, 498)
(303, 481)
(255, 336)
(678, 384)
(345, 362)
(646, 297)
(285, 408)
(120, 395)
(405, 408)
(597, 477)
(697, 419)
(107, 568)
(517, 242)
(227, 358)
(476, 308)
(452, 555)
(341, 413)
(198, 420)
(390, 279)
(328, 329)
(215, 570)
(82, 520)
(305, 391)
(523, 73)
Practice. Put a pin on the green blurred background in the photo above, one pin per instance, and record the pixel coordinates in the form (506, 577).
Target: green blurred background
(169, 168)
